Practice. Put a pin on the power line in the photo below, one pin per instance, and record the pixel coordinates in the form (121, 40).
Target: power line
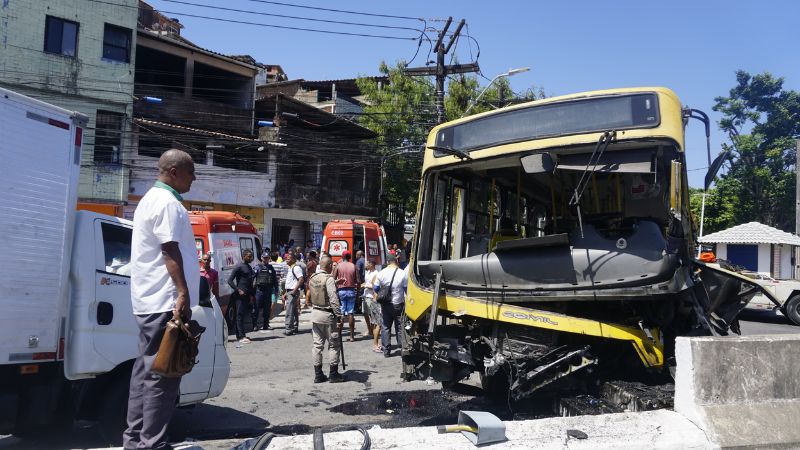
(336, 10)
(259, 13)
(285, 27)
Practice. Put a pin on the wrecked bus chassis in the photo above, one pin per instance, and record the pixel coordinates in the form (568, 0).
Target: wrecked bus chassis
(560, 252)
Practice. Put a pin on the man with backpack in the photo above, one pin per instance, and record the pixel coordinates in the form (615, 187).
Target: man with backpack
(390, 289)
(266, 284)
(295, 277)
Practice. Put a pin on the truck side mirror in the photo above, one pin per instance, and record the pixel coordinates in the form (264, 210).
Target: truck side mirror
(538, 163)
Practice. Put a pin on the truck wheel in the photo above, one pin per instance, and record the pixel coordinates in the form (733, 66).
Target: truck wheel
(792, 309)
(114, 409)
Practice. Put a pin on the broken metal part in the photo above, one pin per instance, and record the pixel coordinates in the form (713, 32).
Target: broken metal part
(585, 405)
(557, 364)
(636, 397)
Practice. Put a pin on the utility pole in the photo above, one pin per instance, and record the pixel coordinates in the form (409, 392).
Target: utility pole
(441, 70)
(797, 208)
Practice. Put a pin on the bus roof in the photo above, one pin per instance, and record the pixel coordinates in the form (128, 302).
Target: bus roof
(670, 127)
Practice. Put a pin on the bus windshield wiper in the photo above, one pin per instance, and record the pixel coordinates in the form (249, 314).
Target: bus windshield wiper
(594, 159)
(451, 151)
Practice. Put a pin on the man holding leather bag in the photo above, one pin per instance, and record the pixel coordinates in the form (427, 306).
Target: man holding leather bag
(165, 279)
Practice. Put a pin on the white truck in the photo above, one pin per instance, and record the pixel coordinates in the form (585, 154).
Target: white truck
(67, 332)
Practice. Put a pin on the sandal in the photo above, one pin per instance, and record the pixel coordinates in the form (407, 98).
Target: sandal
(377, 350)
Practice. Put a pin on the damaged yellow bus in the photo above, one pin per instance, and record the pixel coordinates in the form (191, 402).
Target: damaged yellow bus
(554, 240)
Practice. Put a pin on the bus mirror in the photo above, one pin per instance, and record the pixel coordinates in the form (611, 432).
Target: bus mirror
(713, 169)
(538, 163)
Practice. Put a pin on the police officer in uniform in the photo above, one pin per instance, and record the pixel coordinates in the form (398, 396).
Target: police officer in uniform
(266, 284)
(325, 317)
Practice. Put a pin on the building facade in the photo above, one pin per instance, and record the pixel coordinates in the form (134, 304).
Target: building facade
(79, 55)
(757, 248)
(201, 102)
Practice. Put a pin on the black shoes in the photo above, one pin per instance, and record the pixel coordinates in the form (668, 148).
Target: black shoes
(334, 376)
(319, 377)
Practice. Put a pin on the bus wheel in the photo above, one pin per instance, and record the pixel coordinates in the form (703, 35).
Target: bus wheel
(113, 416)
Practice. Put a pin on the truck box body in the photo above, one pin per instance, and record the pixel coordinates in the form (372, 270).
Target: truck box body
(40, 154)
(68, 336)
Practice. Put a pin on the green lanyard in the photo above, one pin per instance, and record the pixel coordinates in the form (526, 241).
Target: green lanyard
(169, 188)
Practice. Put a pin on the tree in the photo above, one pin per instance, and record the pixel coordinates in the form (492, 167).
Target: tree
(403, 111)
(761, 118)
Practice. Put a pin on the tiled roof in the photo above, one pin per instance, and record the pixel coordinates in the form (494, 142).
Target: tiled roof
(751, 233)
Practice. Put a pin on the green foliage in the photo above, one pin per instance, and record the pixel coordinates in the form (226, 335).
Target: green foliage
(403, 111)
(761, 119)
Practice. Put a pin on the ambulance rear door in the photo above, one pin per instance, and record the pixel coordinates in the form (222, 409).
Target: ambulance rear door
(373, 244)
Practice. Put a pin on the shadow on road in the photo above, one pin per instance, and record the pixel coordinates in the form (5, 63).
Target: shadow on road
(206, 421)
(359, 376)
(201, 422)
(764, 317)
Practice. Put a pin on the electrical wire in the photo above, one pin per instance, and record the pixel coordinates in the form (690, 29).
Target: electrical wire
(360, 24)
(286, 27)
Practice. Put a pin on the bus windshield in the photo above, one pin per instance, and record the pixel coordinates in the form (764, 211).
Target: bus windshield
(489, 205)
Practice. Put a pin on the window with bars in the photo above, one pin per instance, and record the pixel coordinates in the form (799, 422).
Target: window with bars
(108, 137)
(60, 36)
(117, 43)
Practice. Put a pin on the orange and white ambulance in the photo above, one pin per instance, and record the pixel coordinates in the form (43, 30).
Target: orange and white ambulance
(225, 235)
(354, 235)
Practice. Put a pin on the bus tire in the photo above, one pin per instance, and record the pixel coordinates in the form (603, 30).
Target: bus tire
(113, 417)
(792, 309)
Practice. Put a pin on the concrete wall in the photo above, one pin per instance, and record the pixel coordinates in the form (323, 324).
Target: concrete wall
(786, 262)
(85, 82)
(741, 391)
(214, 184)
(722, 251)
(765, 259)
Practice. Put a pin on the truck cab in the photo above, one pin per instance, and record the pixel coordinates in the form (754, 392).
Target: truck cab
(102, 335)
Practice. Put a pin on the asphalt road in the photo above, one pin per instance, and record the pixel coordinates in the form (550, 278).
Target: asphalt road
(271, 389)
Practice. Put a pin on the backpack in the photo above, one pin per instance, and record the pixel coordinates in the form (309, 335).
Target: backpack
(385, 295)
(265, 275)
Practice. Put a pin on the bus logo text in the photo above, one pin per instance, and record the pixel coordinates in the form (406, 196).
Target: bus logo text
(528, 316)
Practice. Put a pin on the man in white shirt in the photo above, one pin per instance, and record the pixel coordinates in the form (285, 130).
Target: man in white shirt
(293, 283)
(165, 280)
(394, 278)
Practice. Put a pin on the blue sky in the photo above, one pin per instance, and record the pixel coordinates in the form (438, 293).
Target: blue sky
(692, 47)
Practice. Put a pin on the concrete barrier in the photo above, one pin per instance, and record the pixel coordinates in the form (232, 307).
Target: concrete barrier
(660, 429)
(743, 392)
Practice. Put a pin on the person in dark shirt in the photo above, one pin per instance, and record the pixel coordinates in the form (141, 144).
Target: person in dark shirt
(241, 280)
(360, 270)
(266, 286)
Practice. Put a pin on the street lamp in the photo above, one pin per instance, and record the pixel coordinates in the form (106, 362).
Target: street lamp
(502, 75)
